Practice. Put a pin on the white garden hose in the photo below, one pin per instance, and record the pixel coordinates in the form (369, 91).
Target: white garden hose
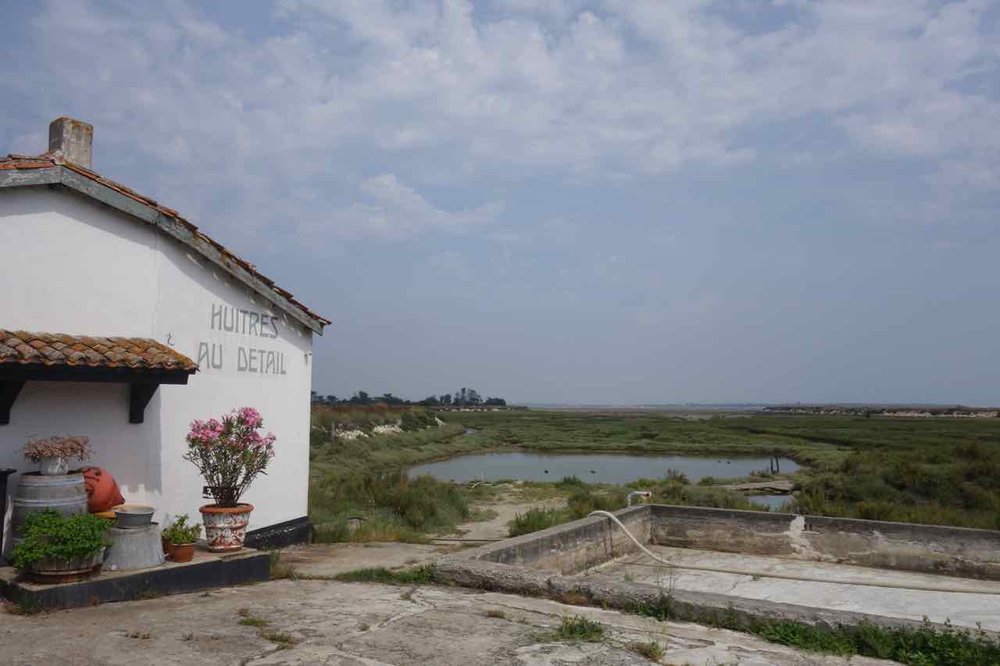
(746, 572)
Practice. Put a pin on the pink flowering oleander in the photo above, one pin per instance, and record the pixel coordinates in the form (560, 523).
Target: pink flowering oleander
(230, 452)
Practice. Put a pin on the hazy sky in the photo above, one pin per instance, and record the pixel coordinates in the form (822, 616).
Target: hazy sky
(611, 201)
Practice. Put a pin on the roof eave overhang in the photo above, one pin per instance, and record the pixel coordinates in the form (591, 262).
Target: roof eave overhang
(62, 175)
(142, 382)
(37, 372)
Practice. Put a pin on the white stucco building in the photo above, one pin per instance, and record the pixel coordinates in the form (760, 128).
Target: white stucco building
(81, 255)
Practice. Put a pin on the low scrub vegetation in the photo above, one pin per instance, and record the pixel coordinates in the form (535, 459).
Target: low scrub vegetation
(582, 501)
(388, 506)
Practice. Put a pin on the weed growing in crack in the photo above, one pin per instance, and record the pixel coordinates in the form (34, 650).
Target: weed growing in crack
(411, 576)
(651, 650)
(579, 628)
(281, 639)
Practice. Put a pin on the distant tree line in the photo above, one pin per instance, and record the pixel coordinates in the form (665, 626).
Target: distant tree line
(464, 397)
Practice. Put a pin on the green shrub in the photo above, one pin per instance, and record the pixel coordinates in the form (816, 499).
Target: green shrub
(179, 532)
(571, 482)
(535, 519)
(394, 506)
(676, 476)
(48, 535)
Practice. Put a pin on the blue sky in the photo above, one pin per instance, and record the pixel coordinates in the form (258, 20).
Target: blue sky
(562, 201)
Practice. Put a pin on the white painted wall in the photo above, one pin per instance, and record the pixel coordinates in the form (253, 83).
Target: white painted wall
(69, 265)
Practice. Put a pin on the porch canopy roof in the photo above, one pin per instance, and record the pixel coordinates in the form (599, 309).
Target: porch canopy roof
(143, 363)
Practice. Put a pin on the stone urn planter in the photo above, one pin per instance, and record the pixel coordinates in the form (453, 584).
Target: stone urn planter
(225, 527)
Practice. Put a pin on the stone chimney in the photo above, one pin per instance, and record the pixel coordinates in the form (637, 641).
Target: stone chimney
(72, 139)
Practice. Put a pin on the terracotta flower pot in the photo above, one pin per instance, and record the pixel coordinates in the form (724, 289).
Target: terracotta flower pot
(225, 527)
(181, 552)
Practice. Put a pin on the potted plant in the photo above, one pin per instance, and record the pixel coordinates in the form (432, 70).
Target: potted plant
(57, 548)
(229, 452)
(179, 538)
(54, 453)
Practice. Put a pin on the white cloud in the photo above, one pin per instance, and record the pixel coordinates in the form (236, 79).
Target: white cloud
(394, 210)
(436, 92)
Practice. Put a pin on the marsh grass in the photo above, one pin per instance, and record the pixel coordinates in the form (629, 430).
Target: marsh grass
(535, 519)
(943, 471)
(937, 471)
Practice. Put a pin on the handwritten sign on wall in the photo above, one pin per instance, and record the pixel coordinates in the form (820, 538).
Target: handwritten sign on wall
(244, 354)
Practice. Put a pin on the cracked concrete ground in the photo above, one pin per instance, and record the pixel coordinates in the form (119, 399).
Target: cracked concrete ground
(969, 603)
(325, 622)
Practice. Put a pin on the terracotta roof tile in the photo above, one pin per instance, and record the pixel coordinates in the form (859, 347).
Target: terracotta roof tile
(58, 349)
(52, 160)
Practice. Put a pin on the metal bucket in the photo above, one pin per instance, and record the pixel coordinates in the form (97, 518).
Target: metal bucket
(65, 493)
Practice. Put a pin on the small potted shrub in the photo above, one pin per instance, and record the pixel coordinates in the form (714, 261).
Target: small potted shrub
(229, 452)
(58, 548)
(54, 453)
(179, 538)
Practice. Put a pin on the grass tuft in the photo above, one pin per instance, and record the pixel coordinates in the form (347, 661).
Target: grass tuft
(927, 645)
(579, 628)
(411, 576)
(651, 650)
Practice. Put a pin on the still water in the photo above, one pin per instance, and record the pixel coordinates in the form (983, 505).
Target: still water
(590, 467)
(773, 502)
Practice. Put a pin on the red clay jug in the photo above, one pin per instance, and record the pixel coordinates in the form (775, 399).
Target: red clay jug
(102, 489)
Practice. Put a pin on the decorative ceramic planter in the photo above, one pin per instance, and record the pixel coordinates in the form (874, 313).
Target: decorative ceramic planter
(53, 466)
(66, 571)
(225, 527)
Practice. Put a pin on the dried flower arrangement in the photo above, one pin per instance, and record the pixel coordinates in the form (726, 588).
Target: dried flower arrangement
(76, 446)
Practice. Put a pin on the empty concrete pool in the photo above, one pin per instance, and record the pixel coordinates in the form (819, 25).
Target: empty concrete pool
(818, 570)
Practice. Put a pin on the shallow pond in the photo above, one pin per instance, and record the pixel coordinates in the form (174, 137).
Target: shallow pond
(773, 502)
(591, 467)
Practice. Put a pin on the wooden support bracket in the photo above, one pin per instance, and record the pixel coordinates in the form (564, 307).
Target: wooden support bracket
(139, 396)
(8, 394)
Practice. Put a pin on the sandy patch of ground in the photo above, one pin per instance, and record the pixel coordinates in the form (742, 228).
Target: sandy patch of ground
(325, 560)
(502, 510)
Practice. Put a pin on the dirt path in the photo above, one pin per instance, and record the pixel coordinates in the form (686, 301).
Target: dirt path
(505, 506)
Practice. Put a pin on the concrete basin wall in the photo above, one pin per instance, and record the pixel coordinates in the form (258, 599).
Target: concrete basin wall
(953, 551)
(571, 547)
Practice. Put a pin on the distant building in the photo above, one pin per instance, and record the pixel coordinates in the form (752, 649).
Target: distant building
(122, 321)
